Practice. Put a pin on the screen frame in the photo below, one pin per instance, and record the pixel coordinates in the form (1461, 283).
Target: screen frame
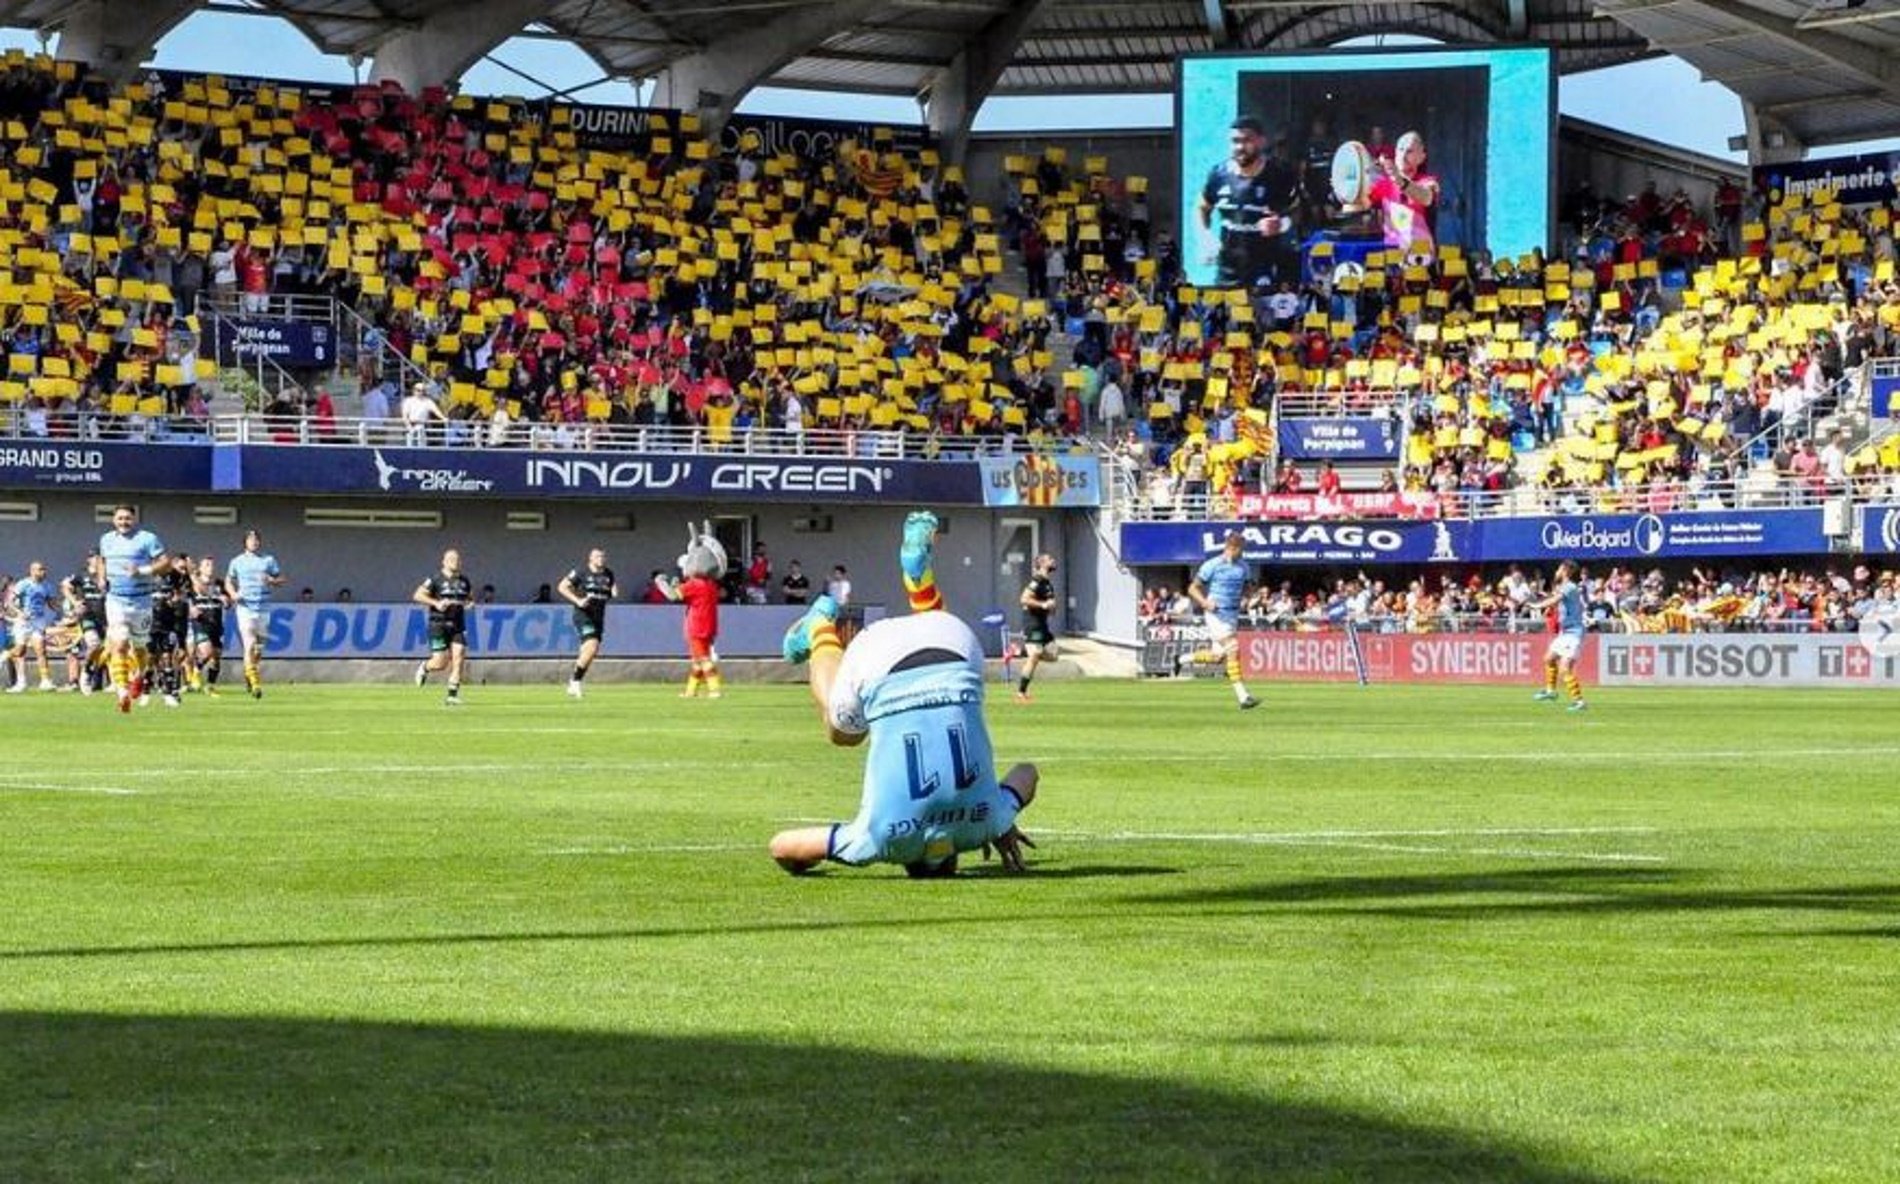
(1553, 116)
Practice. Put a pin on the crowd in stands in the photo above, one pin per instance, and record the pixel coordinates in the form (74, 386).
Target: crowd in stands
(1833, 599)
(1646, 362)
(535, 285)
(521, 277)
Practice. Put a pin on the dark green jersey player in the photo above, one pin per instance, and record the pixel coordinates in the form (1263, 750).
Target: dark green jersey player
(207, 626)
(171, 618)
(589, 589)
(446, 595)
(1039, 640)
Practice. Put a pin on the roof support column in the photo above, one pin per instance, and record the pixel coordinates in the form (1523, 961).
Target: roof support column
(959, 89)
(713, 81)
(442, 48)
(115, 37)
(1769, 141)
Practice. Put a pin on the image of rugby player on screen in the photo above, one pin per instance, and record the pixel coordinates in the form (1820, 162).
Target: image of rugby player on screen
(1246, 212)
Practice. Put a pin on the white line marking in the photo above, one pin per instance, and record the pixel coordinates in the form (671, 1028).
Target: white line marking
(669, 849)
(1288, 836)
(113, 791)
(1365, 841)
(1426, 756)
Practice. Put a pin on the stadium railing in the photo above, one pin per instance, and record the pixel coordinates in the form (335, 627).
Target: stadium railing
(1336, 404)
(271, 307)
(1132, 500)
(1189, 631)
(470, 434)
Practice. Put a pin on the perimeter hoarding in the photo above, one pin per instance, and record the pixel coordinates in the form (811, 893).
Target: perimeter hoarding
(1543, 538)
(1712, 660)
(157, 467)
(1404, 657)
(513, 631)
(1486, 116)
(514, 472)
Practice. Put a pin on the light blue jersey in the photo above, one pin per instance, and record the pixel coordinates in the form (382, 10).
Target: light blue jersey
(37, 605)
(1226, 583)
(124, 554)
(252, 574)
(930, 787)
(1570, 608)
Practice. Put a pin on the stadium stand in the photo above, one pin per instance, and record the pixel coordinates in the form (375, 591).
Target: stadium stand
(555, 295)
(1735, 599)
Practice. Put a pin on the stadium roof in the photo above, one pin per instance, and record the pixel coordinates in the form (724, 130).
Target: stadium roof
(1821, 72)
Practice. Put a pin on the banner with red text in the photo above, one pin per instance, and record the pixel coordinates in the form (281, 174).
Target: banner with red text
(1415, 506)
(1405, 657)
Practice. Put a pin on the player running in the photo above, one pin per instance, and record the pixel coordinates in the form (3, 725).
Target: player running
(171, 624)
(85, 593)
(34, 606)
(914, 687)
(248, 582)
(446, 595)
(588, 589)
(1566, 596)
(132, 558)
(208, 601)
(1218, 589)
(1038, 601)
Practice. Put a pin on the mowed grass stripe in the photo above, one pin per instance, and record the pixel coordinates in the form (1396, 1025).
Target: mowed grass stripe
(330, 938)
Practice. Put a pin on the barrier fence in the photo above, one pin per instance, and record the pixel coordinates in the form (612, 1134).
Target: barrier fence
(1712, 660)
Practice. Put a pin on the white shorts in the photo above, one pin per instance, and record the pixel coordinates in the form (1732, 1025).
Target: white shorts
(128, 622)
(1220, 634)
(252, 624)
(1564, 646)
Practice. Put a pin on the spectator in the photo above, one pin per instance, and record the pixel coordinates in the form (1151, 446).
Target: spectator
(838, 586)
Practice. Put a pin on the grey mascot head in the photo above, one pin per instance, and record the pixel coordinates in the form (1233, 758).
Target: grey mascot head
(704, 555)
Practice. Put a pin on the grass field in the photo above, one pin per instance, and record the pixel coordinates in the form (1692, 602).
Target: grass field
(1385, 934)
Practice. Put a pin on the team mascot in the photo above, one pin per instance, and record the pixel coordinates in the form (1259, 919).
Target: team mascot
(701, 568)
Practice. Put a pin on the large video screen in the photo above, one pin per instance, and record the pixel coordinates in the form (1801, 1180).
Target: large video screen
(1363, 151)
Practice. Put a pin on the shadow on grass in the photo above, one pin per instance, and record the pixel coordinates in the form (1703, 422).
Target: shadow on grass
(1062, 871)
(1540, 891)
(92, 1097)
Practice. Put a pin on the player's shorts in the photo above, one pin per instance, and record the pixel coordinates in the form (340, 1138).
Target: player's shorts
(128, 622)
(700, 649)
(253, 623)
(1220, 633)
(591, 624)
(1565, 646)
(29, 633)
(1039, 637)
(206, 633)
(444, 636)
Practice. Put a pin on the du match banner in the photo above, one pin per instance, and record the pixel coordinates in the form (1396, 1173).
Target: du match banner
(513, 630)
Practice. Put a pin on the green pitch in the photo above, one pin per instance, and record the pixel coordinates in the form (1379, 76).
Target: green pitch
(1385, 934)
